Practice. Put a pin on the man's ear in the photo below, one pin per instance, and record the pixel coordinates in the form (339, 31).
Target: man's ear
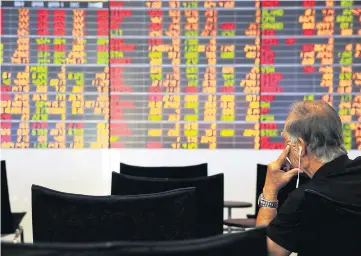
(302, 144)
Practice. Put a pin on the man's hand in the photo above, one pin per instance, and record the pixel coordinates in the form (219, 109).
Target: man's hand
(277, 178)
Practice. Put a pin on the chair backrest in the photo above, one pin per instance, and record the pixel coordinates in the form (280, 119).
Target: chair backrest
(209, 196)
(7, 220)
(283, 193)
(173, 172)
(251, 242)
(329, 227)
(63, 217)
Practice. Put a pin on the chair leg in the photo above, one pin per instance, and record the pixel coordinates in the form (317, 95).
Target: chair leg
(22, 236)
(19, 232)
(229, 217)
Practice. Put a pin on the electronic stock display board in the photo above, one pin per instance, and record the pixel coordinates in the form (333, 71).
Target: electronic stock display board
(174, 74)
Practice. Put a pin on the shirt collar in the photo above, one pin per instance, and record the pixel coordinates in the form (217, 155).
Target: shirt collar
(335, 166)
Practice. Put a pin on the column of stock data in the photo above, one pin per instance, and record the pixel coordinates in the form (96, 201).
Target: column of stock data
(310, 50)
(174, 74)
(54, 75)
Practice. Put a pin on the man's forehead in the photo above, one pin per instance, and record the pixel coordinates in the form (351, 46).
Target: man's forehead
(290, 117)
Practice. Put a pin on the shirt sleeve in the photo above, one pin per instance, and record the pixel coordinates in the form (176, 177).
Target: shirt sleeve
(285, 228)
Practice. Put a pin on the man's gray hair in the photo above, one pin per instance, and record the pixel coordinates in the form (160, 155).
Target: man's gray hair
(318, 124)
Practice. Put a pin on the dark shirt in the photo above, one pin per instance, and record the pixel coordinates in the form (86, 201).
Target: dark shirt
(339, 179)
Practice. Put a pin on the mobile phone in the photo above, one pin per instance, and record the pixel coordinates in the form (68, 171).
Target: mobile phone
(287, 165)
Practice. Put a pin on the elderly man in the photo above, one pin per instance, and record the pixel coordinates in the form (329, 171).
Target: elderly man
(314, 143)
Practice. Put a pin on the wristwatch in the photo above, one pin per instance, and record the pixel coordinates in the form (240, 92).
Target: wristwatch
(265, 203)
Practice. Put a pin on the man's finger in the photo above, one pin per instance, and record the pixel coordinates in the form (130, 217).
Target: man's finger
(283, 155)
(293, 172)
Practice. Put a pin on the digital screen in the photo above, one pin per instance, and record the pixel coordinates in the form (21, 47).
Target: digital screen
(174, 74)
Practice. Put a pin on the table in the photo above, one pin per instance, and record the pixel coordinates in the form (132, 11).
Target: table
(234, 204)
(240, 223)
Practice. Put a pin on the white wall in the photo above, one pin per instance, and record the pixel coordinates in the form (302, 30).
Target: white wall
(89, 171)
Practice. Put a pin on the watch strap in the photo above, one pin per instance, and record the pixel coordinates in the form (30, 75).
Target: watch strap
(265, 203)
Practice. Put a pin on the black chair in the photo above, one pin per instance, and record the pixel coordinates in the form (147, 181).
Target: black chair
(330, 227)
(209, 196)
(282, 196)
(10, 221)
(172, 172)
(63, 217)
(251, 242)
